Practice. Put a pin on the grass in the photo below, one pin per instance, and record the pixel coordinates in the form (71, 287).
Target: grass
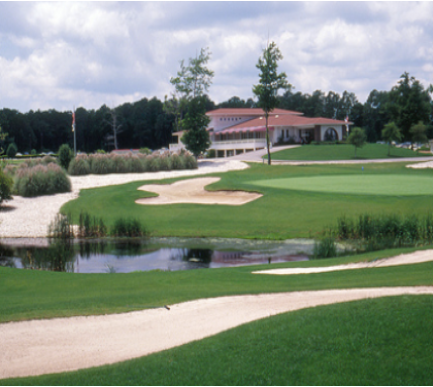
(401, 185)
(279, 214)
(44, 294)
(384, 341)
(343, 152)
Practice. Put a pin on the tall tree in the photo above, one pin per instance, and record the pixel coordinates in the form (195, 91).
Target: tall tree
(270, 82)
(391, 133)
(418, 133)
(196, 138)
(408, 104)
(192, 81)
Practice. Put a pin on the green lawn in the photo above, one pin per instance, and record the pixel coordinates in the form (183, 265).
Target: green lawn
(343, 152)
(383, 341)
(281, 213)
(388, 185)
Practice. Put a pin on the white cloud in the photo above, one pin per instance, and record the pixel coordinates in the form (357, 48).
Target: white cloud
(56, 54)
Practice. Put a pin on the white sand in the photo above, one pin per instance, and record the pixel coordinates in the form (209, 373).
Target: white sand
(403, 259)
(47, 346)
(428, 164)
(30, 217)
(193, 191)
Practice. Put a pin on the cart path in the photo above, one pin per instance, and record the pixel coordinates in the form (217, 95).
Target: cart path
(39, 347)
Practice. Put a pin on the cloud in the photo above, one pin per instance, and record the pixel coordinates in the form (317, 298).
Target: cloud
(56, 54)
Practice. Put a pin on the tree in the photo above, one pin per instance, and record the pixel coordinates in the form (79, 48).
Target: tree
(192, 81)
(269, 84)
(419, 133)
(116, 128)
(65, 156)
(408, 104)
(390, 133)
(357, 138)
(12, 150)
(196, 138)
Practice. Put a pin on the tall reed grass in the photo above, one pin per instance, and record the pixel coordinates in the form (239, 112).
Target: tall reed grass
(40, 180)
(130, 163)
(374, 232)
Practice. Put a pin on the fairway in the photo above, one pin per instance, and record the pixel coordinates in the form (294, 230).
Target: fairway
(389, 185)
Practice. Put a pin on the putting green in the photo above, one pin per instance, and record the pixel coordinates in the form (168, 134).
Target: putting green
(400, 185)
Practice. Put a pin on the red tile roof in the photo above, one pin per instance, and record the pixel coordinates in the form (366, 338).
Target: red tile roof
(249, 112)
(283, 120)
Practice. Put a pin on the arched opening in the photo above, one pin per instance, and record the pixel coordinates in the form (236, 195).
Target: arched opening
(331, 135)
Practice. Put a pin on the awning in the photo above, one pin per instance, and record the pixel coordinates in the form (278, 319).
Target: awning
(247, 129)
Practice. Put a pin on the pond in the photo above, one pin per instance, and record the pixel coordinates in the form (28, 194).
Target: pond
(128, 255)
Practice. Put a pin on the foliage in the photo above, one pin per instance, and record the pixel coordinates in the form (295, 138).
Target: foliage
(91, 226)
(41, 180)
(270, 82)
(6, 184)
(418, 133)
(408, 104)
(376, 232)
(12, 150)
(61, 227)
(79, 166)
(65, 156)
(196, 138)
(391, 133)
(325, 248)
(145, 151)
(125, 227)
(357, 138)
(3, 137)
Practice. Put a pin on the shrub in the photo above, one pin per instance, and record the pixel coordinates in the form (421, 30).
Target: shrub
(128, 228)
(12, 150)
(100, 152)
(153, 163)
(101, 164)
(41, 180)
(119, 164)
(33, 152)
(177, 162)
(136, 164)
(189, 161)
(6, 184)
(211, 154)
(61, 227)
(91, 227)
(79, 166)
(326, 248)
(145, 151)
(165, 163)
(65, 156)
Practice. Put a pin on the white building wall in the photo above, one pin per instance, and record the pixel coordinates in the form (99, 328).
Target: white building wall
(337, 128)
(219, 123)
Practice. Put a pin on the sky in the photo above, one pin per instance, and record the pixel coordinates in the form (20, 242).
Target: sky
(56, 55)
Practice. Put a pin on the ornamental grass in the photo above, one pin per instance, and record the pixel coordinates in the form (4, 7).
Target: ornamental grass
(41, 180)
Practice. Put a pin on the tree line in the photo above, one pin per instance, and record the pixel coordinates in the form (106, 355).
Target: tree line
(150, 122)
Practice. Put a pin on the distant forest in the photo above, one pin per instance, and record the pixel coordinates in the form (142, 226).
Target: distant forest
(145, 123)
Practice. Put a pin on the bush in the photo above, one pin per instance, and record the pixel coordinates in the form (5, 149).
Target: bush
(61, 227)
(65, 156)
(6, 184)
(165, 163)
(79, 166)
(128, 228)
(91, 227)
(177, 162)
(153, 163)
(211, 154)
(12, 150)
(41, 180)
(33, 152)
(326, 248)
(189, 161)
(145, 151)
(101, 164)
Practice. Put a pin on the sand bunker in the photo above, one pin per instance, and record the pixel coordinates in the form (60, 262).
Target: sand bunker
(428, 164)
(403, 259)
(64, 344)
(192, 191)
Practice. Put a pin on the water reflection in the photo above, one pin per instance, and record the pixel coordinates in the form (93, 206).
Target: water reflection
(122, 256)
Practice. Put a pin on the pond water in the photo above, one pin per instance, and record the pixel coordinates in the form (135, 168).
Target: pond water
(169, 254)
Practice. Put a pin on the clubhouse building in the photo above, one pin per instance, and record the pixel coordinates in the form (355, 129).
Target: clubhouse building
(235, 131)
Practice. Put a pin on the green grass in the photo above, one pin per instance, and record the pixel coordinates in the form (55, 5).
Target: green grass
(343, 152)
(44, 294)
(279, 214)
(389, 185)
(385, 341)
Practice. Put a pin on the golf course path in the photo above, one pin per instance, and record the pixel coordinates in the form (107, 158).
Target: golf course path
(403, 259)
(64, 344)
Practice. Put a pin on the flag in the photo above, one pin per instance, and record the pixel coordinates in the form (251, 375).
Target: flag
(73, 121)
(346, 120)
